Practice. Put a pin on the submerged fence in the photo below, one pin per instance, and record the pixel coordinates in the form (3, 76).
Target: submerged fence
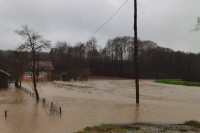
(52, 107)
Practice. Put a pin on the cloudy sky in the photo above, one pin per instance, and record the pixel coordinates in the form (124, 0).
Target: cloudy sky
(166, 22)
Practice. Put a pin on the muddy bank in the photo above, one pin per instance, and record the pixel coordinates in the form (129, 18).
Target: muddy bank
(141, 128)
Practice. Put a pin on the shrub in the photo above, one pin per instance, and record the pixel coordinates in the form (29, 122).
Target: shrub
(85, 73)
(192, 123)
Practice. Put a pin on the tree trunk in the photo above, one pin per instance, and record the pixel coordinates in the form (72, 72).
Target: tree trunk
(20, 82)
(34, 79)
(136, 52)
(16, 84)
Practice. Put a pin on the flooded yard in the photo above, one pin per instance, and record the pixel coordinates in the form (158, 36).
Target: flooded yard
(96, 102)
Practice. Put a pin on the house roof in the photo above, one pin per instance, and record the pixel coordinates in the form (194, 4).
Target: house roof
(45, 65)
(2, 71)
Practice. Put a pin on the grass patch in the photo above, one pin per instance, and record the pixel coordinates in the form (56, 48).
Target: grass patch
(143, 127)
(192, 123)
(182, 130)
(108, 128)
(177, 82)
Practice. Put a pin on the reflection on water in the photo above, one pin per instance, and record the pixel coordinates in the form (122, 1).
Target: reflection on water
(96, 102)
(137, 113)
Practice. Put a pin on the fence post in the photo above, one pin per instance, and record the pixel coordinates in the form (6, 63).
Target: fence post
(5, 113)
(43, 100)
(51, 105)
(60, 111)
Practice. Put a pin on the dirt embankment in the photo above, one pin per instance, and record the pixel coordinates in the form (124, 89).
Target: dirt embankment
(141, 128)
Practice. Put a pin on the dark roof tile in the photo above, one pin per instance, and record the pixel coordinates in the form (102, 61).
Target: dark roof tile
(45, 65)
(2, 71)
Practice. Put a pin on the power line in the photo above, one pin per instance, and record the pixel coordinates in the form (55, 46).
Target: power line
(107, 21)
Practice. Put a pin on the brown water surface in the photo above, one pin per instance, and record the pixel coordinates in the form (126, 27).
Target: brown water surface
(96, 102)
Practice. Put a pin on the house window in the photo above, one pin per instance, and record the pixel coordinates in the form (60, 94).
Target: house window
(28, 74)
(42, 74)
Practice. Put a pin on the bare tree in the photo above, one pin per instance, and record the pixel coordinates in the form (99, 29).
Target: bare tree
(197, 27)
(136, 52)
(20, 61)
(91, 45)
(33, 43)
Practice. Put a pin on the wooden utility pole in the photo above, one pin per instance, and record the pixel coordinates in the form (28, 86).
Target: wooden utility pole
(136, 52)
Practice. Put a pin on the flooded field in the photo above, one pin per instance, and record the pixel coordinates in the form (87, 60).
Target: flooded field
(96, 102)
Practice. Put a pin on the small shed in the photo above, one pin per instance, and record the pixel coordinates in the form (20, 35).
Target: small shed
(64, 76)
(4, 79)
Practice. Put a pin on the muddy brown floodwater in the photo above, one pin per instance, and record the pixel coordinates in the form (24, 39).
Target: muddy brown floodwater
(96, 102)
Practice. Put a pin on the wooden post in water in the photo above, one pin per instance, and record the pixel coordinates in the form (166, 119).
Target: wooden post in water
(43, 100)
(5, 113)
(51, 105)
(136, 75)
(60, 111)
(51, 109)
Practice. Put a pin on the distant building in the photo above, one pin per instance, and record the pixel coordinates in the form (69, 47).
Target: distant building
(44, 71)
(4, 79)
(60, 76)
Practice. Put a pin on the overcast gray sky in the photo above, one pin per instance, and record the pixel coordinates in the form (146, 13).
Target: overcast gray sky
(166, 22)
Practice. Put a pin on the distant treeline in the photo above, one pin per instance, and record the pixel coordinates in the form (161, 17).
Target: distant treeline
(116, 59)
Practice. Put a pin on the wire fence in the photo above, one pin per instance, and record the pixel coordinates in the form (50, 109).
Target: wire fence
(49, 106)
